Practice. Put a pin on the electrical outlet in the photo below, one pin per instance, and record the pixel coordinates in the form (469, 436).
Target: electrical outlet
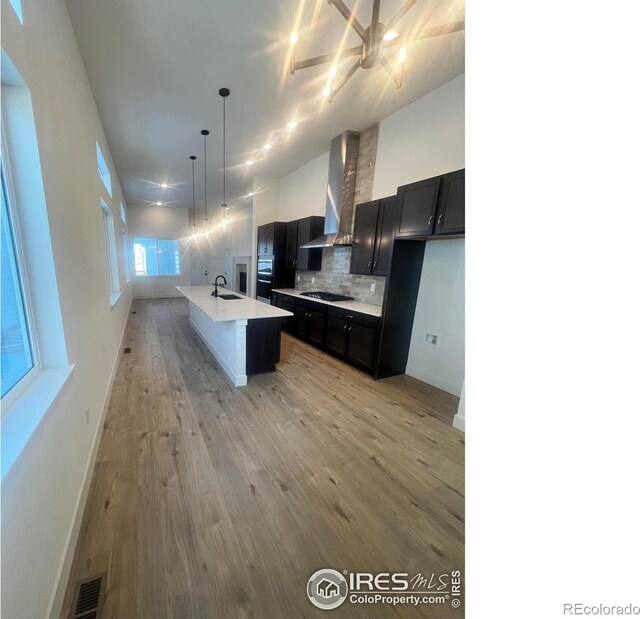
(373, 287)
(432, 338)
(86, 415)
(313, 280)
(298, 278)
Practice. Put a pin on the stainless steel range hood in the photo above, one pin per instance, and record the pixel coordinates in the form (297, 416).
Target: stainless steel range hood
(341, 189)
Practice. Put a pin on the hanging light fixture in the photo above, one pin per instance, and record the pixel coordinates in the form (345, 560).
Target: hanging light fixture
(193, 204)
(224, 93)
(205, 133)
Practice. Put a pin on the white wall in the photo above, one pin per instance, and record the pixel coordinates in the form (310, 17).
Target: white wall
(161, 222)
(460, 418)
(422, 140)
(43, 493)
(304, 191)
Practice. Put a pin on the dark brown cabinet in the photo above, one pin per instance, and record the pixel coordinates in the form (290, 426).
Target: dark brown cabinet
(450, 209)
(309, 325)
(286, 303)
(364, 237)
(417, 203)
(375, 228)
(266, 235)
(308, 229)
(352, 335)
(337, 335)
(291, 256)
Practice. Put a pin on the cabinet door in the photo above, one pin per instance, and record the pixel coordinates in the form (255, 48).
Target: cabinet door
(361, 345)
(291, 254)
(301, 322)
(337, 335)
(269, 230)
(388, 218)
(418, 207)
(304, 236)
(316, 327)
(364, 238)
(262, 240)
(450, 212)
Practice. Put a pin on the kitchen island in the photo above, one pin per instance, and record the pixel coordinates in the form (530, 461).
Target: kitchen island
(241, 333)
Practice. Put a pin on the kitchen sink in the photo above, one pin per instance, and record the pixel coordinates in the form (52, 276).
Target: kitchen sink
(228, 297)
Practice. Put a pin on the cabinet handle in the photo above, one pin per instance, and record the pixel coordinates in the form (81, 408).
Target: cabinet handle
(349, 329)
(369, 263)
(345, 327)
(430, 220)
(439, 219)
(375, 264)
(349, 316)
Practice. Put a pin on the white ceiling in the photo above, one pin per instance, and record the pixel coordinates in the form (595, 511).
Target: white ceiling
(156, 66)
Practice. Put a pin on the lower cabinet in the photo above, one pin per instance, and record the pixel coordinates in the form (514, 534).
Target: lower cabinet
(309, 325)
(350, 336)
(353, 341)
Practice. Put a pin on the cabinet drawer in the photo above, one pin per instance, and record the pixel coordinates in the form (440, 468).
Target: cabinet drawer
(311, 305)
(362, 319)
(286, 303)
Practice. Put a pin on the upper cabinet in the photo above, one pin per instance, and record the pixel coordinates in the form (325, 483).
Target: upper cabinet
(308, 229)
(418, 203)
(364, 237)
(291, 256)
(375, 227)
(432, 207)
(450, 211)
(265, 239)
(388, 219)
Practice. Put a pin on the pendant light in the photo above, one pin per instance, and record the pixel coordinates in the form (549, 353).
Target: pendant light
(224, 93)
(193, 180)
(205, 133)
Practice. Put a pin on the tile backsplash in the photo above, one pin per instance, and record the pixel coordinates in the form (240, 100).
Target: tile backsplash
(335, 277)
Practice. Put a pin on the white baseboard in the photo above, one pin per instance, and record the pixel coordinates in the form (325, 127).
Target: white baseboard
(436, 381)
(57, 597)
(458, 423)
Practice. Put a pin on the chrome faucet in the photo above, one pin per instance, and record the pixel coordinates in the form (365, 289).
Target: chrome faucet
(215, 285)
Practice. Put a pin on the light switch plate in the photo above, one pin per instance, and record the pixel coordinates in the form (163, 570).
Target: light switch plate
(373, 287)
(433, 339)
(313, 280)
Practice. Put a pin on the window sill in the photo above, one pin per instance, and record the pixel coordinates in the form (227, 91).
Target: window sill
(114, 298)
(22, 417)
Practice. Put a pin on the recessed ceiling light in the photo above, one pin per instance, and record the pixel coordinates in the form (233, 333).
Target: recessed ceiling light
(389, 36)
(251, 194)
(402, 54)
(293, 38)
(159, 203)
(292, 124)
(250, 162)
(326, 92)
(164, 185)
(266, 146)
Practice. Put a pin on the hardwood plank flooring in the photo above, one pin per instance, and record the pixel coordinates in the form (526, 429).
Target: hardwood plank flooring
(212, 501)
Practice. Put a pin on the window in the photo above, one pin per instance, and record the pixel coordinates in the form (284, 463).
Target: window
(17, 349)
(112, 252)
(156, 256)
(103, 169)
(123, 214)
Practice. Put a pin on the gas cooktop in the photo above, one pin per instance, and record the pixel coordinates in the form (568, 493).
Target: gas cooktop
(326, 296)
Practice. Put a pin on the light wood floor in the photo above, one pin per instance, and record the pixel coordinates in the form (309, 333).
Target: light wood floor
(210, 501)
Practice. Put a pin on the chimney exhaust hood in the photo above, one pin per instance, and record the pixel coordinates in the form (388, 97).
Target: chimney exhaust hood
(341, 189)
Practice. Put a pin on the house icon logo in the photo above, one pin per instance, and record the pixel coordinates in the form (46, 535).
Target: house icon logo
(327, 589)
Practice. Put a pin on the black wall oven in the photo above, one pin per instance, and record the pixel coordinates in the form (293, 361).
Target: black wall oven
(264, 281)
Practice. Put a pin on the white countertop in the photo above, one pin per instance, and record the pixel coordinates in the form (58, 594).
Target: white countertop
(354, 306)
(221, 310)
